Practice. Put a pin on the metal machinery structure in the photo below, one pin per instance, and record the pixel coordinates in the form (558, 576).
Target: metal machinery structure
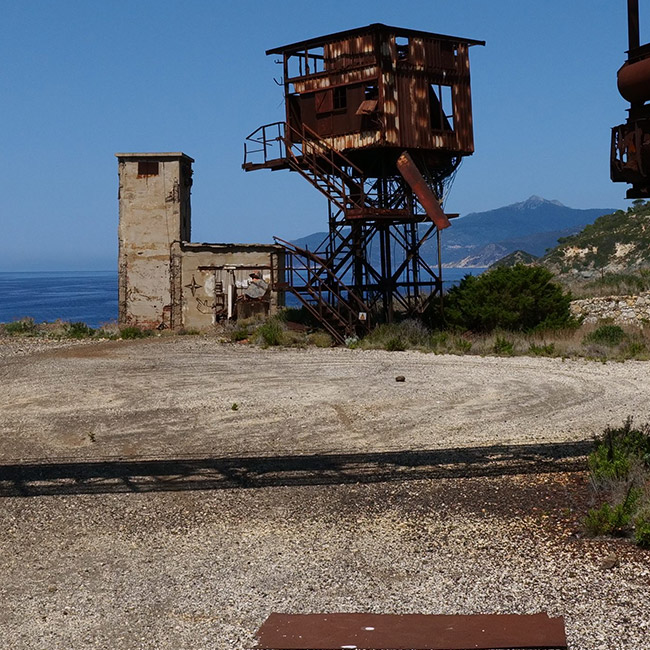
(378, 119)
(630, 153)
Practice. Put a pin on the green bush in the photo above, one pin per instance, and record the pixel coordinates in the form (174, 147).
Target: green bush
(620, 473)
(78, 330)
(503, 346)
(240, 333)
(618, 451)
(461, 345)
(634, 349)
(543, 350)
(22, 326)
(642, 529)
(610, 335)
(517, 298)
(132, 332)
(270, 333)
(395, 344)
(613, 520)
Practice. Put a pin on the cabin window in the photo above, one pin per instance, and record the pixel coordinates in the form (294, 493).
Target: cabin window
(402, 45)
(148, 168)
(371, 91)
(441, 108)
(340, 98)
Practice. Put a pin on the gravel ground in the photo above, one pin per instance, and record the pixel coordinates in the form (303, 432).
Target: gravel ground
(330, 488)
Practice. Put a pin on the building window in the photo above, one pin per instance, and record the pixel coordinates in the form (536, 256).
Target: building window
(340, 98)
(402, 46)
(148, 168)
(441, 107)
(371, 91)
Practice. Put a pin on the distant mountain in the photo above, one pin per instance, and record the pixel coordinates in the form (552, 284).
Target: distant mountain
(614, 243)
(533, 226)
(481, 238)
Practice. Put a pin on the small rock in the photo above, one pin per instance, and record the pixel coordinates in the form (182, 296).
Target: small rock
(400, 378)
(609, 562)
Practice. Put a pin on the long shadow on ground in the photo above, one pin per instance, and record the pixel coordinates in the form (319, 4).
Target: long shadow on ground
(139, 475)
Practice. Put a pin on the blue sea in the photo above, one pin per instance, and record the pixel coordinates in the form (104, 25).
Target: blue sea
(86, 296)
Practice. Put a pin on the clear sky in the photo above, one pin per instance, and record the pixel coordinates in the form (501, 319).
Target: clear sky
(83, 79)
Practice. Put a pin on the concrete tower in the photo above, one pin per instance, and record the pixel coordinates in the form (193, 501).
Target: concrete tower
(154, 204)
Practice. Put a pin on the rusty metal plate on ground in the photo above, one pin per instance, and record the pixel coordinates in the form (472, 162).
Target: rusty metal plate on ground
(410, 632)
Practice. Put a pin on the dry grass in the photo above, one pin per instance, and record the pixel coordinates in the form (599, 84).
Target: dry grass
(567, 343)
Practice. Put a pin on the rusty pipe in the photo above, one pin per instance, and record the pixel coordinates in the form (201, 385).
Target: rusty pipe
(634, 38)
(408, 169)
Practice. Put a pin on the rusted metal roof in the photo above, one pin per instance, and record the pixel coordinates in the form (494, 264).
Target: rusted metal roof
(372, 28)
(410, 632)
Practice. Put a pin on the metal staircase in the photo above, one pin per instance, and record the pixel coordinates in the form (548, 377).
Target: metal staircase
(280, 146)
(313, 279)
(309, 277)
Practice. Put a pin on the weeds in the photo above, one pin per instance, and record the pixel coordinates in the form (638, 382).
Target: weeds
(24, 326)
(270, 333)
(609, 335)
(620, 474)
(132, 332)
(542, 350)
(78, 331)
(503, 347)
(642, 529)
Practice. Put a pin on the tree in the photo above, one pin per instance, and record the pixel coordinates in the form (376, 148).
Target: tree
(520, 298)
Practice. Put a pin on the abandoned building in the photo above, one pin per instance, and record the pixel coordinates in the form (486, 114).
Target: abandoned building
(377, 119)
(165, 281)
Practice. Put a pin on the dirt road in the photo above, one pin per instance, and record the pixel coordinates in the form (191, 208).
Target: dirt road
(180, 396)
(171, 493)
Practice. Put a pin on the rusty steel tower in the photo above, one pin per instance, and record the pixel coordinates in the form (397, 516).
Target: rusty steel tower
(630, 153)
(378, 119)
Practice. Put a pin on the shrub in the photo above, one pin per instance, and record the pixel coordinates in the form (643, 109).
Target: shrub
(462, 345)
(22, 326)
(408, 334)
(610, 335)
(620, 473)
(395, 344)
(517, 298)
(132, 332)
(240, 333)
(642, 529)
(78, 330)
(270, 333)
(543, 350)
(617, 451)
(612, 520)
(503, 346)
(634, 349)
(320, 339)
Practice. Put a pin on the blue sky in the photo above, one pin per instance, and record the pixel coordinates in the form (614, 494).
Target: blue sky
(84, 79)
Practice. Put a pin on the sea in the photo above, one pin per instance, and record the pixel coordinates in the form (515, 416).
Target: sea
(88, 296)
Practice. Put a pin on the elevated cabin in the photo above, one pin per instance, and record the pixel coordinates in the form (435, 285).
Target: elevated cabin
(376, 91)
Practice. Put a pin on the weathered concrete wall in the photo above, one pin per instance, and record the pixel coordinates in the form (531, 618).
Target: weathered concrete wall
(165, 281)
(622, 310)
(214, 275)
(154, 200)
